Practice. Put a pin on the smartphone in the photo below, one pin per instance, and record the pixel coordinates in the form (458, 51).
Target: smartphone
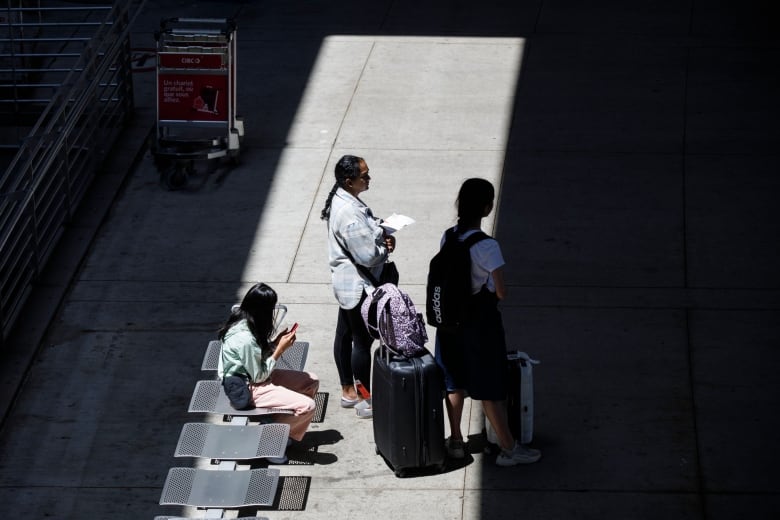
(294, 328)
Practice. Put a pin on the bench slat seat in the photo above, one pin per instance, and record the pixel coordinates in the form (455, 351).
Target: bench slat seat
(220, 489)
(294, 358)
(232, 442)
(209, 397)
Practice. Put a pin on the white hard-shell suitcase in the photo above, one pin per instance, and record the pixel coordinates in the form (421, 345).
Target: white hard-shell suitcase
(520, 400)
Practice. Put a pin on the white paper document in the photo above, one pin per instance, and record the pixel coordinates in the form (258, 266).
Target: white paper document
(395, 222)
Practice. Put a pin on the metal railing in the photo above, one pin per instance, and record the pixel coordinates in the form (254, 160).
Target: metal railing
(38, 48)
(57, 161)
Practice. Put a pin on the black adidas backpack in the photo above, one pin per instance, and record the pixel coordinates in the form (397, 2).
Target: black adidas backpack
(449, 280)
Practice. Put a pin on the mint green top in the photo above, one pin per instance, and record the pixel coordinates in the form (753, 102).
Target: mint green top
(242, 355)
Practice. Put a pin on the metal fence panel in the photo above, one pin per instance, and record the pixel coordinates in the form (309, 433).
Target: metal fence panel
(57, 161)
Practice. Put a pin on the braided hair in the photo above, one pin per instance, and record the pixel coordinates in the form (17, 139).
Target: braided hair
(348, 167)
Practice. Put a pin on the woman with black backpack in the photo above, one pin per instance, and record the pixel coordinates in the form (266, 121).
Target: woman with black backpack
(473, 355)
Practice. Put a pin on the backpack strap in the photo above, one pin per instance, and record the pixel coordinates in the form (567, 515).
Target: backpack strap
(474, 238)
(389, 342)
(373, 314)
(452, 234)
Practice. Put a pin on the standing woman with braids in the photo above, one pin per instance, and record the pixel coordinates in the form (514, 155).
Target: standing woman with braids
(249, 352)
(354, 237)
(473, 358)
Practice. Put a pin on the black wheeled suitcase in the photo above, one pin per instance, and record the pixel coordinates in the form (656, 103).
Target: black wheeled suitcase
(408, 406)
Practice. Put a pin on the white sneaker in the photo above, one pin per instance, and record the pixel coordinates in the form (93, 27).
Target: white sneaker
(364, 410)
(518, 455)
(277, 460)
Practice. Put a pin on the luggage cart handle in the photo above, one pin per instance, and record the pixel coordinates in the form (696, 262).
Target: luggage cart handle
(229, 23)
(200, 20)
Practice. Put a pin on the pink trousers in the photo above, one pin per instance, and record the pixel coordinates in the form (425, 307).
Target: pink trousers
(291, 390)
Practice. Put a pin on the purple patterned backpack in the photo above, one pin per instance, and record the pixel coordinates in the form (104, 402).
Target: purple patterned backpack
(391, 317)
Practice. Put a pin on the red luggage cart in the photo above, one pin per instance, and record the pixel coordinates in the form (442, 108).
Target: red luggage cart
(196, 97)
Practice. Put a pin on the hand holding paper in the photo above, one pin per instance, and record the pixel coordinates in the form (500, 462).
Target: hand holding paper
(395, 222)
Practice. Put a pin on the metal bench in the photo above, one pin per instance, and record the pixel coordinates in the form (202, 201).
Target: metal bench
(209, 397)
(220, 489)
(294, 358)
(232, 442)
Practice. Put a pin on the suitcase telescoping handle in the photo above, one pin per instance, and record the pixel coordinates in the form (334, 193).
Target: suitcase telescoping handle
(515, 355)
(384, 343)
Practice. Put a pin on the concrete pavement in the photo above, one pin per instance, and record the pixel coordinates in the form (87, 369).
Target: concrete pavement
(635, 149)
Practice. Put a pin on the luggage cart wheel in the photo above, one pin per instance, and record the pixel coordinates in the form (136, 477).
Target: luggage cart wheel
(234, 158)
(175, 177)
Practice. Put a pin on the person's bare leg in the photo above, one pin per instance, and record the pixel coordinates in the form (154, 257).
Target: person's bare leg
(454, 403)
(495, 411)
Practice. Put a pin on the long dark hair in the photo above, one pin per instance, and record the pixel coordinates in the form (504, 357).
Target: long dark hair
(474, 196)
(348, 167)
(257, 308)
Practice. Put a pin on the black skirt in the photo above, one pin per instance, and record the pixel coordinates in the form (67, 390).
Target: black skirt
(473, 357)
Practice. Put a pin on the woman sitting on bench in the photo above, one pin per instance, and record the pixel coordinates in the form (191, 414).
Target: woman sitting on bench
(248, 351)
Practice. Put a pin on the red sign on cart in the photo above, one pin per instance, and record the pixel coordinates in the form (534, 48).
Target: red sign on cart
(184, 60)
(191, 97)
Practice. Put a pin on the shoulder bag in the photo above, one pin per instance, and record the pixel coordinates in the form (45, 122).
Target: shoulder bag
(237, 388)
